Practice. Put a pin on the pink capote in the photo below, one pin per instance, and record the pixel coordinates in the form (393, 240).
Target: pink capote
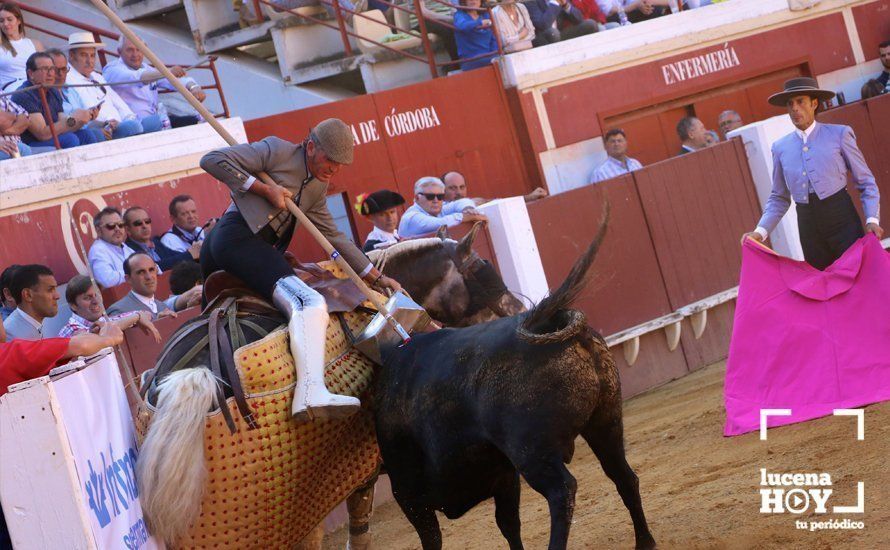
(808, 340)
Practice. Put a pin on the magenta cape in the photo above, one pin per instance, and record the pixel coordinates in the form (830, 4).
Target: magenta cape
(808, 340)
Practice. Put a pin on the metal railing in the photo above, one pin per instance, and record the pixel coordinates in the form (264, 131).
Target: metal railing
(345, 33)
(208, 64)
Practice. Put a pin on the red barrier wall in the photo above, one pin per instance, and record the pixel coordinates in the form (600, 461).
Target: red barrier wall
(472, 131)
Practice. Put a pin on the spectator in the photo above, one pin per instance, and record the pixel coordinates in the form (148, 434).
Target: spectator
(87, 311)
(693, 135)
(382, 208)
(437, 15)
(711, 138)
(474, 35)
(429, 212)
(617, 162)
(872, 88)
(514, 25)
(13, 122)
(633, 11)
(69, 128)
(143, 98)
(108, 252)
(15, 49)
(728, 121)
(549, 15)
(185, 233)
(6, 299)
(184, 277)
(590, 10)
(138, 224)
(456, 189)
(142, 274)
(23, 360)
(70, 100)
(34, 290)
(115, 119)
(884, 53)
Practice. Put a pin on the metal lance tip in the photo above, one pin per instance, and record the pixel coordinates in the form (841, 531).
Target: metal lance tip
(381, 334)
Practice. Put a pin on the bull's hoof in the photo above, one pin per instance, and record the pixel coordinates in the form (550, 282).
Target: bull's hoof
(647, 544)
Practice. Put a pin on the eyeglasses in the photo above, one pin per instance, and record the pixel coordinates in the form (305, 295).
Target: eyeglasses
(140, 223)
(44, 69)
(434, 196)
(61, 69)
(113, 226)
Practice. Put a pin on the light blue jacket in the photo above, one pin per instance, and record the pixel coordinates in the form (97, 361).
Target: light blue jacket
(820, 166)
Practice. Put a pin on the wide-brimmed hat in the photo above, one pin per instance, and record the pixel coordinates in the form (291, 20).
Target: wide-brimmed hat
(378, 201)
(335, 138)
(803, 85)
(83, 40)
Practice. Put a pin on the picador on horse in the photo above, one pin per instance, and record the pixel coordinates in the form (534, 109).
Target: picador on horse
(251, 237)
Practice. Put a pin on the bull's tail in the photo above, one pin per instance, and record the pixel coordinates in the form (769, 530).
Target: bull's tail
(550, 319)
(170, 470)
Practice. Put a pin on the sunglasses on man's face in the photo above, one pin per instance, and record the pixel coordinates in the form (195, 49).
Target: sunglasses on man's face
(434, 196)
(113, 226)
(140, 223)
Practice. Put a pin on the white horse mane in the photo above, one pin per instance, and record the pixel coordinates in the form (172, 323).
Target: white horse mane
(380, 257)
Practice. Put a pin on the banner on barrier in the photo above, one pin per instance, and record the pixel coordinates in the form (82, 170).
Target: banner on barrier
(102, 437)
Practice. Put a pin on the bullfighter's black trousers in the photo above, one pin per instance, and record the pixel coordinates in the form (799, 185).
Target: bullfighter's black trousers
(256, 259)
(828, 227)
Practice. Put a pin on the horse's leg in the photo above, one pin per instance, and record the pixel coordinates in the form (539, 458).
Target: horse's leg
(313, 540)
(607, 442)
(360, 505)
(545, 473)
(506, 510)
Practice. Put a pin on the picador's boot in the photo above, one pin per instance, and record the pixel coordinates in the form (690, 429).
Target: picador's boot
(308, 325)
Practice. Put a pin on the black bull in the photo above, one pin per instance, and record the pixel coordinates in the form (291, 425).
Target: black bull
(462, 413)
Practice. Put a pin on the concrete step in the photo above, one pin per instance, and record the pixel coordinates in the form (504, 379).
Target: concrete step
(128, 10)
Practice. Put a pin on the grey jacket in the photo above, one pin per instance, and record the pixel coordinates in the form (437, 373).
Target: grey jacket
(285, 163)
(130, 303)
(17, 327)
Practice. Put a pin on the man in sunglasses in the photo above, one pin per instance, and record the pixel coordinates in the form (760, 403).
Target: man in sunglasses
(108, 252)
(250, 239)
(140, 239)
(430, 212)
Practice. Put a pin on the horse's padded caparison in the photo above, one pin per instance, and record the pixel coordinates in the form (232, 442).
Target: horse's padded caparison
(268, 487)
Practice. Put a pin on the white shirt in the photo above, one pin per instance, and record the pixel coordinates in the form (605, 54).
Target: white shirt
(114, 108)
(386, 239)
(174, 242)
(12, 67)
(149, 302)
(805, 134)
(606, 6)
(613, 167)
(107, 262)
(142, 98)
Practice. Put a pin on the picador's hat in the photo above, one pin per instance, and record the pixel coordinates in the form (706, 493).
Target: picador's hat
(800, 86)
(335, 138)
(378, 201)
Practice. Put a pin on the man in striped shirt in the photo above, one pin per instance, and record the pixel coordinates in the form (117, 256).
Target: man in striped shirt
(617, 163)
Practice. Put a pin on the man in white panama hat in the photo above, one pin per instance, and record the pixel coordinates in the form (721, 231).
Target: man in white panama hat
(115, 119)
(810, 166)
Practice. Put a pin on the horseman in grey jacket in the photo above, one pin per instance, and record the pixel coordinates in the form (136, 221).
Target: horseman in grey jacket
(256, 229)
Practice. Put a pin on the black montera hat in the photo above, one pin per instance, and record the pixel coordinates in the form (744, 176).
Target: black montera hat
(800, 86)
(378, 201)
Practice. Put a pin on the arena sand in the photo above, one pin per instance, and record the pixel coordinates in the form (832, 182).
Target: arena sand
(699, 489)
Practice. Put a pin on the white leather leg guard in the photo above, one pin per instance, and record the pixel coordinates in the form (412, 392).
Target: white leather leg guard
(308, 326)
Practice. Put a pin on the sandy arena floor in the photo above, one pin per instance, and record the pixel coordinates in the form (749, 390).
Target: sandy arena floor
(699, 489)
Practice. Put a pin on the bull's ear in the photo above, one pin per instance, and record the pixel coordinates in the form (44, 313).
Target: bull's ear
(442, 233)
(465, 246)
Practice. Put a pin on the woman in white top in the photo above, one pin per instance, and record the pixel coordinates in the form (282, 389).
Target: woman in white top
(15, 49)
(514, 26)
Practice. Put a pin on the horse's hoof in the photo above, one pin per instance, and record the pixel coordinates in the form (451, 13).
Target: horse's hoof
(359, 542)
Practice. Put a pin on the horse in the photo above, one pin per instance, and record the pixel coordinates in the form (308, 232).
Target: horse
(462, 413)
(172, 470)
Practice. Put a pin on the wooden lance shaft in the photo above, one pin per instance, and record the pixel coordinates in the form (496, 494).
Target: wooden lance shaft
(264, 177)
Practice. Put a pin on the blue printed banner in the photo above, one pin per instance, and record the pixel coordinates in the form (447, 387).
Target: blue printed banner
(100, 431)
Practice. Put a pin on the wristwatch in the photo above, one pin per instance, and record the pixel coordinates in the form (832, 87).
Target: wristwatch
(71, 122)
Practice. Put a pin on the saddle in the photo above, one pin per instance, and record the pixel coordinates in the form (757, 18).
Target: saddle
(271, 480)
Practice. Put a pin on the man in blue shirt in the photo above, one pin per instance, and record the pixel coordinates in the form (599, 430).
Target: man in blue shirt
(69, 128)
(810, 166)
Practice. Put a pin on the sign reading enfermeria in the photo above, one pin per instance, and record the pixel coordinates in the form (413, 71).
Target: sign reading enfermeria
(700, 65)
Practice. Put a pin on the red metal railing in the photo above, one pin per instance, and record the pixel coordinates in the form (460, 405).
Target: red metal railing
(345, 33)
(98, 34)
